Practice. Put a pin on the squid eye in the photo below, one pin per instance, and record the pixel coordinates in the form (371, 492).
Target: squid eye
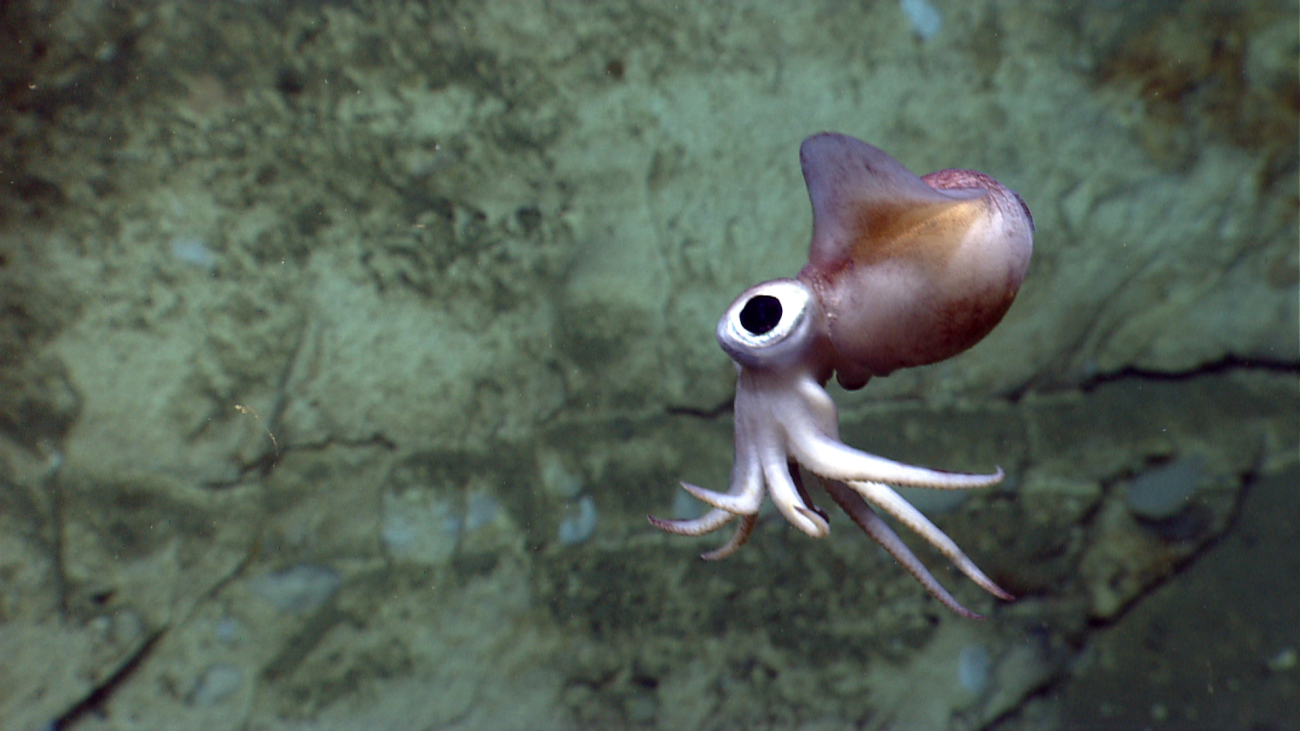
(770, 325)
(760, 314)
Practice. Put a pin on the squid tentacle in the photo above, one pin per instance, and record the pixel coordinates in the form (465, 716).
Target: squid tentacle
(834, 460)
(709, 522)
(872, 524)
(903, 511)
(738, 539)
(786, 496)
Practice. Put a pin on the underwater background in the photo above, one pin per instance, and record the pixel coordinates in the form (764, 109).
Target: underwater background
(345, 346)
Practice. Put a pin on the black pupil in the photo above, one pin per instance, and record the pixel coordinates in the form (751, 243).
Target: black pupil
(760, 314)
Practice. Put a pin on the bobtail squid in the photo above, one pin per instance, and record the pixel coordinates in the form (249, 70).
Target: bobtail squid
(902, 271)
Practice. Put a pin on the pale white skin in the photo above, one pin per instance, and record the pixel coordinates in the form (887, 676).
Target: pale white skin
(784, 416)
(902, 271)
